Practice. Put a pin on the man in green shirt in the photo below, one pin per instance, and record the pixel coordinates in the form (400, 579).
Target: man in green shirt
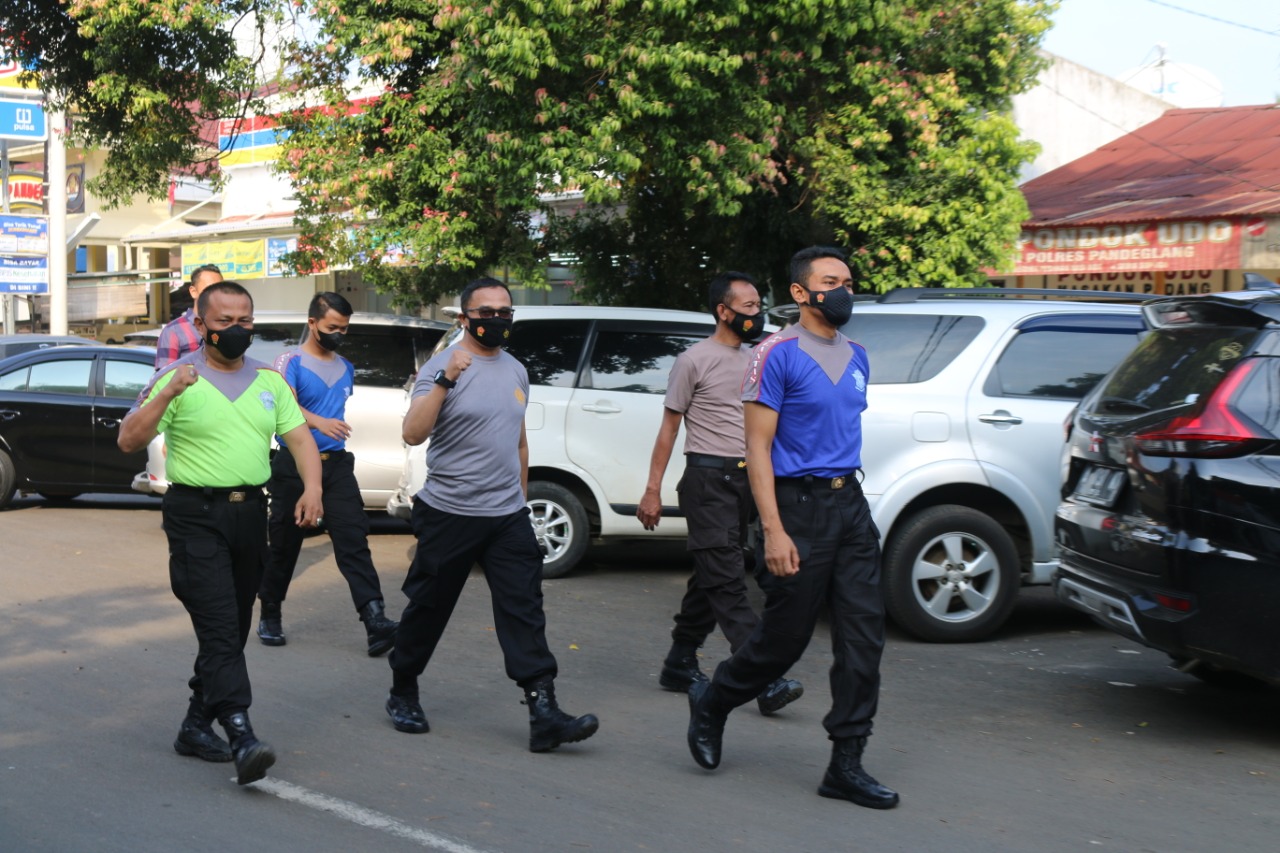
(218, 411)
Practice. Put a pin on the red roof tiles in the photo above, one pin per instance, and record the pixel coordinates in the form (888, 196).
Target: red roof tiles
(1187, 164)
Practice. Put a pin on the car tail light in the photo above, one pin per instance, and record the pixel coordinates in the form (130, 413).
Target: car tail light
(1214, 429)
(1182, 605)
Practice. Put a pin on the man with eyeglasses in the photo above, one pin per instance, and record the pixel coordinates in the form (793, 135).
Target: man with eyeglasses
(804, 394)
(470, 400)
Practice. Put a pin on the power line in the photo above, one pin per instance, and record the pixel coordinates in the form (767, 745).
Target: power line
(1213, 18)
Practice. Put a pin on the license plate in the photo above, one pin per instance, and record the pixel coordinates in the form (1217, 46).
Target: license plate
(1099, 486)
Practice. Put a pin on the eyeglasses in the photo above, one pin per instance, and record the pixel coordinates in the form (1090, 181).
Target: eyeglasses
(489, 313)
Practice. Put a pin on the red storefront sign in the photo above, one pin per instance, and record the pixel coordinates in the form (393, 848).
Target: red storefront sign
(1191, 244)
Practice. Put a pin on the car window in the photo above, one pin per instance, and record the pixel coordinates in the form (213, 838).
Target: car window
(272, 339)
(1259, 397)
(1061, 358)
(906, 348)
(383, 356)
(65, 376)
(124, 379)
(550, 350)
(1174, 367)
(14, 380)
(636, 361)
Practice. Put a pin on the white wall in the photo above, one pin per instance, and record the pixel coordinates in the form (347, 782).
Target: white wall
(1075, 110)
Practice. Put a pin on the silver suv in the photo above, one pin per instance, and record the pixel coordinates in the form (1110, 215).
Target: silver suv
(962, 440)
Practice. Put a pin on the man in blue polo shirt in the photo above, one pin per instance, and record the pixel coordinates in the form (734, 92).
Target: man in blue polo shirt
(804, 394)
(323, 380)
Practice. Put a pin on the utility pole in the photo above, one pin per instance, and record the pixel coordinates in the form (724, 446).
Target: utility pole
(56, 174)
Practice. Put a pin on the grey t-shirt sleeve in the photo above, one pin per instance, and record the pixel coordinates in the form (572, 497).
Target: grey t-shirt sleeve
(680, 384)
(426, 376)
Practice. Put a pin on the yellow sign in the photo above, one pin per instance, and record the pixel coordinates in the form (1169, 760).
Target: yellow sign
(9, 72)
(236, 258)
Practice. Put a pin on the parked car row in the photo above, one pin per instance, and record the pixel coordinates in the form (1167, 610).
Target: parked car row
(1165, 526)
(970, 390)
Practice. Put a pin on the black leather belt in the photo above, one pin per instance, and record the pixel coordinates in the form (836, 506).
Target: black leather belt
(235, 495)
(720, 463)
(849, 480)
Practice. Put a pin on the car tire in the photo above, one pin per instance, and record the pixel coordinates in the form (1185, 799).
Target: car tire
(560, 524)
(8, 479)
(951, 575)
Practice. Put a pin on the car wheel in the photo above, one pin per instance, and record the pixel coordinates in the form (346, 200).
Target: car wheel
(951, 575)
(561, 526)
(8, 479)
(59, 497)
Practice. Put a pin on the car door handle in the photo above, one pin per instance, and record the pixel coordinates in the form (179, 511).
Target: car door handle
(109, 423)
(7, 414)
(1000, 416)
(601, 408)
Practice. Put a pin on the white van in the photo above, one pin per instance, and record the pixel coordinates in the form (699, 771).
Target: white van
(597, 377)
(386, 351)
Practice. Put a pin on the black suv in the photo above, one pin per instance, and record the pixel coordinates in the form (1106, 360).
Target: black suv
(1170, 528)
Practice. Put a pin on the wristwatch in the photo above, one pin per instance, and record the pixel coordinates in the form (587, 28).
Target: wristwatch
(444, 381)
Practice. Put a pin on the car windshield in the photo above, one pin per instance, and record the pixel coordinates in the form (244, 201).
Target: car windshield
(1171, 368)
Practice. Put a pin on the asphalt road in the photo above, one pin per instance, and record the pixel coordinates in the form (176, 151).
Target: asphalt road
(1055, 736)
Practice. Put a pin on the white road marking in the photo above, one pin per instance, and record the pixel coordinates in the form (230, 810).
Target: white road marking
(361, 816)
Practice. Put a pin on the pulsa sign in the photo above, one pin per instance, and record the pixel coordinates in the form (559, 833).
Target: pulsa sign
(1130, 247)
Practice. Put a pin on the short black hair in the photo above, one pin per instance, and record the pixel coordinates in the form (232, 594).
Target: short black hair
(718, 291)
(464, 298)
(323, 303)
(199, 271)
(235, 288)
(802, 260)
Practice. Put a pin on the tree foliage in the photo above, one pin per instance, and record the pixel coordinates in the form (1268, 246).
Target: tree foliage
(145, 79)
(716, 134)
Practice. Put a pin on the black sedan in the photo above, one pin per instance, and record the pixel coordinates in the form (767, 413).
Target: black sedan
(60, 413)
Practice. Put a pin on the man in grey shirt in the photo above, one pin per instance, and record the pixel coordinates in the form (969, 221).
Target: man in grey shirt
(705, 391)
(470, 401)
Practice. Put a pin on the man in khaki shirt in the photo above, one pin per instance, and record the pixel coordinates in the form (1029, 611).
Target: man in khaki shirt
(705, 392)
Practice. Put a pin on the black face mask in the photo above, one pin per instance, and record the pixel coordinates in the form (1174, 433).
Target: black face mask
(491, 333)
(836, 305)
(230, 342)
(331, 341)
(748, 327)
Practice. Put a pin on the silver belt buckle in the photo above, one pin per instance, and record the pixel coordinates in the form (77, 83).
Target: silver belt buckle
(837, 483)
(236, 497)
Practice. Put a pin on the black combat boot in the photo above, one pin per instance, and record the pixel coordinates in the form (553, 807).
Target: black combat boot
(846, 780)
(680, 670)
(270, 632)
(197, 737)
(252, 756)
(381, 630)
(706, 724)
(548, 725)
(779, 695)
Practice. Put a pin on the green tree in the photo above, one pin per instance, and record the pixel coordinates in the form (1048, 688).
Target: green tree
(715, 134)
(147, 80)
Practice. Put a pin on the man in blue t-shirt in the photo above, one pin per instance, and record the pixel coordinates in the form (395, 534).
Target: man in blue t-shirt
(804, 394)
(322, 381)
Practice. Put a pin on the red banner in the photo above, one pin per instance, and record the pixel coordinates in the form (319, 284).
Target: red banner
(1191, 244)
